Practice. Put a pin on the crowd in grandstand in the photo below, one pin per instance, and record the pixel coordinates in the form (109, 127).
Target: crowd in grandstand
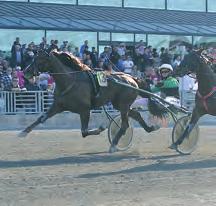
(141, 61)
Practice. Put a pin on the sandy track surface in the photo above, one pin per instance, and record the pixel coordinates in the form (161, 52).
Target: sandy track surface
(59, 168)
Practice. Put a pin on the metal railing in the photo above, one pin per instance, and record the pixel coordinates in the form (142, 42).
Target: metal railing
(34, 102)
(28, 102)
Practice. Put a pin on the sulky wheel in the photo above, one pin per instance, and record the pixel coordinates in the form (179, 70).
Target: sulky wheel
(126, 140)
(190, 143)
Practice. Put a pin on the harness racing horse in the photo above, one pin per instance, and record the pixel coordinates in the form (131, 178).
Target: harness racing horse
(75, 92)
(205, 100)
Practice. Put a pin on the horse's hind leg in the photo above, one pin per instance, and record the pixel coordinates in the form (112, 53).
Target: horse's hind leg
(137, 116)
(84, 117)
(54, 109)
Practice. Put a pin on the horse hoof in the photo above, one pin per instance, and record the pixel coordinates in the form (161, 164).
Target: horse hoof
(22, 134)
(112, 149)
(173, 146)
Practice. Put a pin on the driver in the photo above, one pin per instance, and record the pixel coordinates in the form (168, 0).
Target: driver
(169, 85)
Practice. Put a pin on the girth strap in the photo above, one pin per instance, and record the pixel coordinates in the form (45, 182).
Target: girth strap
(204, 98)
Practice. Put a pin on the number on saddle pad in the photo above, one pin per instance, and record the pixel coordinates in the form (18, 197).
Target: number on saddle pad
(102, 79)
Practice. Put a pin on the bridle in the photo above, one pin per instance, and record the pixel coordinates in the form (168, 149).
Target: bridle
(204, 98)
(35, 71)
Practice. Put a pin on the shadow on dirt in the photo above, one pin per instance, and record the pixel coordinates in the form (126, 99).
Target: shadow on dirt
(87, 159)
(159, 166)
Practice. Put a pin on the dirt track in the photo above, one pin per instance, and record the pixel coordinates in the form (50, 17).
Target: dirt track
(59, 168)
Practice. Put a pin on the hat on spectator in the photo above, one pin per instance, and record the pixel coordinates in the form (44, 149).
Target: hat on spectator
(18, 68)
(166, 66)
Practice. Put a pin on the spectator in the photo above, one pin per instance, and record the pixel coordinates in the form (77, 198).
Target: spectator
(5, 64)
(108, 68)
(120, 64)
(53, 45)
(29, 55)
(17, 56)
(20, 76)
(139, 48)
(121, 49)
(151, 76)
(143, 60)
(82, 48)
(94, 57)
(6, 80)
(177, 61)
(43, 81)
(186, 83)
(76, 53)
(128, 65)
(164, 56)
(16, 42)
(51, 85)
(43, 44)
(86, 51)
(31, 84)
(1, 74)
(100, 65)
(105, 55)
(15, 85)
(114, 56)
(87, 61)
(156, 58)
(64, 46)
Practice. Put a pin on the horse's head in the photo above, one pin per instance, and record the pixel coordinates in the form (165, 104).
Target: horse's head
(190, 64)
(39, 64)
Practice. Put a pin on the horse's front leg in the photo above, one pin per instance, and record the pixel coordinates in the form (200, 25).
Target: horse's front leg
(122, 131)
(196, 114)
(54, 109)
(84, 118)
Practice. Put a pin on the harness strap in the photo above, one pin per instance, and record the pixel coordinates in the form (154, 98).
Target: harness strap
(92, 78)
(204, 98)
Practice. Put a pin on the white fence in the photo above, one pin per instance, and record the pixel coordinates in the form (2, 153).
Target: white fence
(33, 102)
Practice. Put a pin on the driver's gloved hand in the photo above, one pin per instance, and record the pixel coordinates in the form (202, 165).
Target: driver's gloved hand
(159, 84)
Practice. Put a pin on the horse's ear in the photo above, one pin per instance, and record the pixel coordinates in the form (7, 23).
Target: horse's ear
(55, 51)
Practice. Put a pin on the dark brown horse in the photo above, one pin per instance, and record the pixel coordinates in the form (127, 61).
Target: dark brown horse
(205, 101)
(75, 92)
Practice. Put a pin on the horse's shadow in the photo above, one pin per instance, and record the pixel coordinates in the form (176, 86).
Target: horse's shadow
(159, 166)
(85, 158)
(69, 160)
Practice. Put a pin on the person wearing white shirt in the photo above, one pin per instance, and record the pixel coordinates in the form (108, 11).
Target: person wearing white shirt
(128, 65)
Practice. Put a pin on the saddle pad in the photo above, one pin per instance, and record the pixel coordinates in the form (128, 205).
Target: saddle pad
(102, 79)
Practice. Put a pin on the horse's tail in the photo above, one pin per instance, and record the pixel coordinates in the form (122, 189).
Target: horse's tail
(154, 106)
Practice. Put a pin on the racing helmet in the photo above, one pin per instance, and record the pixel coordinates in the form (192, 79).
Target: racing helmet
(166, 67)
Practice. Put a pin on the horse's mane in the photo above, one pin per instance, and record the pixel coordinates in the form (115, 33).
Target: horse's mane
(71, 61)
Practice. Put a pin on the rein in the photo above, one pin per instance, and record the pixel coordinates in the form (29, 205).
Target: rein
(65, 72)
